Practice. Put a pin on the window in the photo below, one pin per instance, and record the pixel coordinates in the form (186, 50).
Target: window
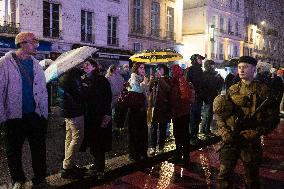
(155, 19)
(237, 6)
(231, 4)
(137, 47)
(221, 24)
(235, 51)
(50, 20)
(213, 21)
(112, 31)
(221, 51)
(138, 16)
(237, 28)
(251, 36)
(213, 50)
(170, 23)
(229, 26)
(86, 26)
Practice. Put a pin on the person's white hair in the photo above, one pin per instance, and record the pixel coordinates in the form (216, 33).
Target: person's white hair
(263, 67)
(273, 70)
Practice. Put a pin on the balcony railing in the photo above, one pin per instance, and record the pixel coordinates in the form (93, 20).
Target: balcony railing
(222, 31)
(238, 34)
(230, 33)
(10, 28)
(113, 41)
(89, 38)
(170, 35)
(53, 33)
(138, 30)
(155, 32)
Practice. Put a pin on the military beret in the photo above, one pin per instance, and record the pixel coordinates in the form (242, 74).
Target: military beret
(248, 60)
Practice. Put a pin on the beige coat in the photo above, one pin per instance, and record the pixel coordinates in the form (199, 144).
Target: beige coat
(11, 89)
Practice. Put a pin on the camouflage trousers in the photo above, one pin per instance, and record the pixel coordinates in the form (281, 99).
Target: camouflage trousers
(250, 155)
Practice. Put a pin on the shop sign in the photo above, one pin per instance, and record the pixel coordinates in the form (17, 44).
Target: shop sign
(108, 56)
(7, 43)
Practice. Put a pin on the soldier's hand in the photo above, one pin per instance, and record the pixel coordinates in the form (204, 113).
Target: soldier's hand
(249, 134)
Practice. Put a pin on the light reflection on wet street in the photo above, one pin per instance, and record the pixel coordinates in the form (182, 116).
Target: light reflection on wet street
(203, 171)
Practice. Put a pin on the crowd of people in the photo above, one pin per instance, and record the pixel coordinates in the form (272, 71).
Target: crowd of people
(92, 108)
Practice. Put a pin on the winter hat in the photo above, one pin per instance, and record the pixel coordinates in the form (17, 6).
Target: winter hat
(208, 63)
(23, 37)
(195, 56)
(248, 60)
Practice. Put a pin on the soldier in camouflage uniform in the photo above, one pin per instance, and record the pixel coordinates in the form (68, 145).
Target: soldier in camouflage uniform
(240, 139)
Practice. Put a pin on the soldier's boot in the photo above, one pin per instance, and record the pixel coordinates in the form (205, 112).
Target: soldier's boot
(224, 183)
(252, 179)
(225, 177)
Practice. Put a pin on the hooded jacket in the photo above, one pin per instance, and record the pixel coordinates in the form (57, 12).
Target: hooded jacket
(179, 106)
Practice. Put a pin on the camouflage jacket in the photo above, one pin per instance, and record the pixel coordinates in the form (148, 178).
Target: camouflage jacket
(243, 100)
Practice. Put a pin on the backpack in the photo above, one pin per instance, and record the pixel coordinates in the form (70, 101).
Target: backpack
(187, 91)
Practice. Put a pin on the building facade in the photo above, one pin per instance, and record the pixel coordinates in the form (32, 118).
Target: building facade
(213, 28)
(264, 20)
(155, 24)
(67, 23)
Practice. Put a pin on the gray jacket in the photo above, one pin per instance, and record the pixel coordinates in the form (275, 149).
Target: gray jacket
(11, 89)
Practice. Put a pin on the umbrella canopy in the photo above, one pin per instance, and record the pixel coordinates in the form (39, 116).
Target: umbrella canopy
(156, 56)
(67, 61)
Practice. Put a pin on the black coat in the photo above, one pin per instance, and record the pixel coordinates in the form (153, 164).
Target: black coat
(98, 104)
(229, 80)
(74, 94)
(213, 83)
(194, 74)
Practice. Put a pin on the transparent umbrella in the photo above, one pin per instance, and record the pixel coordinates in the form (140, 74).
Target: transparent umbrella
(67, 61)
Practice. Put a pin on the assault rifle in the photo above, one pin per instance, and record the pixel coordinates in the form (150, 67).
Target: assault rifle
(245, 123)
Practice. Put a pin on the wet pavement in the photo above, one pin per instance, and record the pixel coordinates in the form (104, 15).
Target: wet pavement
(204, 170)
(156, 172)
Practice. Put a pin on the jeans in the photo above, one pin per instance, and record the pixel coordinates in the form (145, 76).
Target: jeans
(207, 118)
(162, 134)
(195, 118)
(73, 140)
(33, 127)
